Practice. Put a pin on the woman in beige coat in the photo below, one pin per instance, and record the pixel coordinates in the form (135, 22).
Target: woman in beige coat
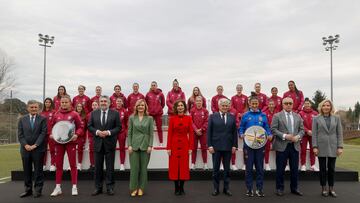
(327, 144)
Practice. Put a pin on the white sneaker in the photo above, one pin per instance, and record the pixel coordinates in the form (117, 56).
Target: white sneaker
(221, 167)
(287, 168)
(192, 167)
(122, 167)
(79, 166)
(52, 168)
(267, 167)
(57, 191)
(314, 168)
(74, 191)
(44, 168)
(206, 167)
(234, 168)
(243, 167)
(303, 168)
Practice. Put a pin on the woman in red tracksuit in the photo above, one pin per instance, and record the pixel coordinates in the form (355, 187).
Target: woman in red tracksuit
(276, 99)
(215, 99)
(262, 97)
(57, 98)
(191, 101)
(82, 98)
(48, 112)
(94, 106)
(66, 113)
(307, 114)
(124, 117)
(239, 104)
(200, 117)
(179, 146)
(174, 95)
(296, 95)
(156, 101)
(117, 94)
(79, 108)
(269, 112)
(98, 91)
(133, 98)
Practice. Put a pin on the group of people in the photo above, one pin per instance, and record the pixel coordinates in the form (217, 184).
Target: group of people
(289, 121)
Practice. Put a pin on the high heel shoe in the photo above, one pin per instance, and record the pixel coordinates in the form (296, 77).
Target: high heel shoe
(134, 193)
(140, 192)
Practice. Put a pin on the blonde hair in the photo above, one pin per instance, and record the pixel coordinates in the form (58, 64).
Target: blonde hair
(138, 102)
(332, 111)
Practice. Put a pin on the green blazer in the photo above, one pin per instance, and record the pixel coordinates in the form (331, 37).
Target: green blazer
(140, 133)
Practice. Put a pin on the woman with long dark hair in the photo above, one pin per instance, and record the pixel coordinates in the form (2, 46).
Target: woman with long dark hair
(80, 109)
(60, 93)
(191, 101)
(296, 95)
(48, 112)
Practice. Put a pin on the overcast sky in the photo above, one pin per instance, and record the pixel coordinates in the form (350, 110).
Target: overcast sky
(200, 42)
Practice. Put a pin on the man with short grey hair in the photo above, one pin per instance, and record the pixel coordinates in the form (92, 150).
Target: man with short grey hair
(288, 129)
(32, 130)
(222, 143)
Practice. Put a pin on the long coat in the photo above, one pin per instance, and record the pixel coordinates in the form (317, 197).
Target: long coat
(180, 141)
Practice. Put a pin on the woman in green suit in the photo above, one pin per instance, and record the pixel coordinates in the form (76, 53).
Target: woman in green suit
(140, 142)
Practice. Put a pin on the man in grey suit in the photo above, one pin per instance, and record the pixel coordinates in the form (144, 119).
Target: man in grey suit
(32, 130)
(288, 129)
(104, 125)
(222, 141)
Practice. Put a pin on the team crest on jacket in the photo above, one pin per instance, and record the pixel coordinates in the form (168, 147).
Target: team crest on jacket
(69, 117)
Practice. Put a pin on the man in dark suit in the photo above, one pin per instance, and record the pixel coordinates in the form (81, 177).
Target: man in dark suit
(104, 125)
(288, 129)
(222, 141)
(32, 130)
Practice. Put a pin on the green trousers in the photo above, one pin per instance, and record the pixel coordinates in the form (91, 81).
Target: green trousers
(139, 161)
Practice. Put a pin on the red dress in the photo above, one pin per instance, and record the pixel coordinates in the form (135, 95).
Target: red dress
(180, 141)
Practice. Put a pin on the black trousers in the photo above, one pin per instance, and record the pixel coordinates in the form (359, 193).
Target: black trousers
(327, 170)
(30, 159)
(109, 157)
(281, 160)
(225, 157)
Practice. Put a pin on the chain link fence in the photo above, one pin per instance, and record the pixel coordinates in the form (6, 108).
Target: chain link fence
(8, 127)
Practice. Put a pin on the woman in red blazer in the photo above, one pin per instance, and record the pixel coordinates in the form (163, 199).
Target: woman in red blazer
(179, 146)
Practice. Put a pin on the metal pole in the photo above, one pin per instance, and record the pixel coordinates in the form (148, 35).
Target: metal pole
(331, 72)
(44, 72)
(10, 125)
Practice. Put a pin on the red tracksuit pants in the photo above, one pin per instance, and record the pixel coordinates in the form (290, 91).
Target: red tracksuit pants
(203, 144)
(306, 139)
(70, 149)
(51, 144)
(121, 141)
(158, 122)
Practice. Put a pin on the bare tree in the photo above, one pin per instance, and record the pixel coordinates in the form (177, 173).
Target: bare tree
(7, 79)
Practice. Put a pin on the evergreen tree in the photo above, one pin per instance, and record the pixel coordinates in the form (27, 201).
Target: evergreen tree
(318, 97)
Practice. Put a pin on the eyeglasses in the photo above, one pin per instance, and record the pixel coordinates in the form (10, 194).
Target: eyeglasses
(288, 103)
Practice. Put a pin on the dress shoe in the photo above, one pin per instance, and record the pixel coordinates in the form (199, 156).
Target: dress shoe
(227, 192)
(97, 192)
(297, 192)
(25, 194)
(110, 192)
(37, 195)
(279, 193)
(215, 193)
(332, 193)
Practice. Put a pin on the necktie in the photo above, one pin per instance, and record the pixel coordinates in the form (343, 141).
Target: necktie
(103, 118)
(32, 122)
(289, 124)
(223, 117)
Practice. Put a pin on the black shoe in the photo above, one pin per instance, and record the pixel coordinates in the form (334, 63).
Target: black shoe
(259, 193)
(97, 192)
(332, 193)
(297, 192)
(37, 195)
(279, 193)
(177, 193)
(215, 193)
(227, 192)
(249, 193)
(110, 192)
(26, 194)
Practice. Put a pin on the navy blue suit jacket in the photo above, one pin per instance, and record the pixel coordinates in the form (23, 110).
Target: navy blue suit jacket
(220, 136)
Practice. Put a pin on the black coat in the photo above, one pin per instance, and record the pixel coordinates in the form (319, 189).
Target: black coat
(28, 136)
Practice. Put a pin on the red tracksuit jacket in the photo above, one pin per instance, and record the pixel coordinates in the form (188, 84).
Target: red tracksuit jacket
(239, 103)
(199, 118)
(155, 101)
(113, 100)
(298, 99)
(85, 100)
(132, 99)
(214, 102)
(191, 103)
(72, 116)
(172, 97)
(307, 116)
